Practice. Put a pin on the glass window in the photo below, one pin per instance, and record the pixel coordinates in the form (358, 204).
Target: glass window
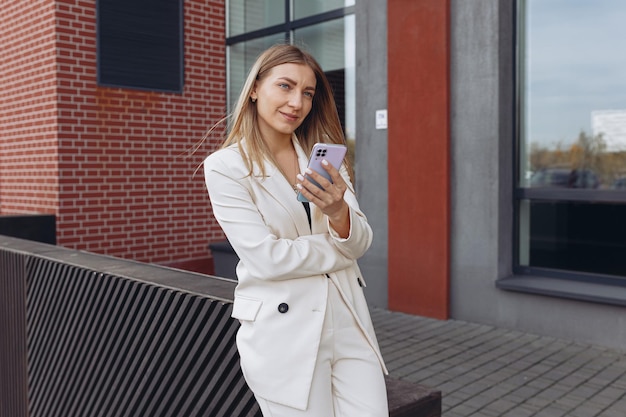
(329, 37)
(572, 136)
(304, 8)
(574, 89)
(241, 56)
(249, 15)
(332, 44)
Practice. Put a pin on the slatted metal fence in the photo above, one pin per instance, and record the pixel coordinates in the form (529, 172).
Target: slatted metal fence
(84, 335)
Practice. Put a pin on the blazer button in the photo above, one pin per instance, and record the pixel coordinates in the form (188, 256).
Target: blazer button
(283, 307)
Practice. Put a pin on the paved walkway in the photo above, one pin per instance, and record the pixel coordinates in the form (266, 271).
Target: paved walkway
(483, 371)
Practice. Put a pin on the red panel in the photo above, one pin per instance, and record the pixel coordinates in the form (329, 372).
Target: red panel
(419, 140)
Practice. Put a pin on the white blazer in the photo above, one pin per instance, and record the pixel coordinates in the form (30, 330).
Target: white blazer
(280, 299)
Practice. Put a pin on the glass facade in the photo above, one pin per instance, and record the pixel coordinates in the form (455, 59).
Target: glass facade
(325, 28)
(571, 165)
(305, 8)
(332, 44)
(241, 56)
(249, 15)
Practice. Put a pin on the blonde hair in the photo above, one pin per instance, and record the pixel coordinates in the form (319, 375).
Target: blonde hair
(322, 124)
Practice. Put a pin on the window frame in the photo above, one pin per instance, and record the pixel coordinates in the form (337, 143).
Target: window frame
(585, 286)
(287, 29)
(290, 25)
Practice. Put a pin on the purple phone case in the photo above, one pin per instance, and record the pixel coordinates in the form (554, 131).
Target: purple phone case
(333, 153)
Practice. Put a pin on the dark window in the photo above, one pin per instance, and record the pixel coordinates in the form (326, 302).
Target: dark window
(578, 236)
(140, 44)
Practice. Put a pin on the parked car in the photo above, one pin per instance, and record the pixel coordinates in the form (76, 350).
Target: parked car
(566, 178)
(619, 183)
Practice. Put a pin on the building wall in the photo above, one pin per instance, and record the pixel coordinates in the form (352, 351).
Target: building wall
(482, 134)
(371, 149)
(482, 129)
(418, 149)
(28, 108)
(110, 163)
(404, 68)
(482, 137)
(126, 184)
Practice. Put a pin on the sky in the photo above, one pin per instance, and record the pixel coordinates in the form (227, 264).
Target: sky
(575, 64)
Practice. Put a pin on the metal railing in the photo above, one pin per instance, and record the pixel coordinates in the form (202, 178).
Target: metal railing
(90, 335)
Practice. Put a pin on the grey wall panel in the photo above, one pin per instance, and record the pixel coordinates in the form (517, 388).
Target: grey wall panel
(371, 143)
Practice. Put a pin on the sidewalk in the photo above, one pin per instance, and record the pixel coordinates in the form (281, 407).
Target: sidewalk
(483, 371)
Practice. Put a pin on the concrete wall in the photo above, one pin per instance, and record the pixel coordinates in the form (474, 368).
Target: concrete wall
(482, 126)
(371, 144)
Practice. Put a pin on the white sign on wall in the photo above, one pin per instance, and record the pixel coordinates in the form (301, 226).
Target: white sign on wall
(381, 119)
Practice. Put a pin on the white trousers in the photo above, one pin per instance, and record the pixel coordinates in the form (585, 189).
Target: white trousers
(348, 380)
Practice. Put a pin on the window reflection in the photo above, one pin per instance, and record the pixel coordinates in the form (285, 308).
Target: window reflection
(332, 44)
(248, 15)
(241, 57)
(587, 163)
(304, 8)
(572, 135)
(573, 93)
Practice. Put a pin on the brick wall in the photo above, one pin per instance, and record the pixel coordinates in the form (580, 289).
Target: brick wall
(126, 184)
(28, 108)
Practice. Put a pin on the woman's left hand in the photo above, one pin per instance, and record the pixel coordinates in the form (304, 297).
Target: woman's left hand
(329, 199)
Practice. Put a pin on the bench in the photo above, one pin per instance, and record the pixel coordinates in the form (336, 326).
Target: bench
(224, 259)
(407, 399)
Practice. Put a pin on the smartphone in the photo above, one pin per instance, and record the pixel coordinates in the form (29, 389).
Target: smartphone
(333, 153)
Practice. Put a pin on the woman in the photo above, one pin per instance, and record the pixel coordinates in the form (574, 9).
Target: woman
(306, 340)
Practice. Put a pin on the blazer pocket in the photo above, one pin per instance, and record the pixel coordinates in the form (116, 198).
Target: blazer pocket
(246, 308)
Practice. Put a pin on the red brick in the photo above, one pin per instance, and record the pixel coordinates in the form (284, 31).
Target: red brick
(98, 157)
